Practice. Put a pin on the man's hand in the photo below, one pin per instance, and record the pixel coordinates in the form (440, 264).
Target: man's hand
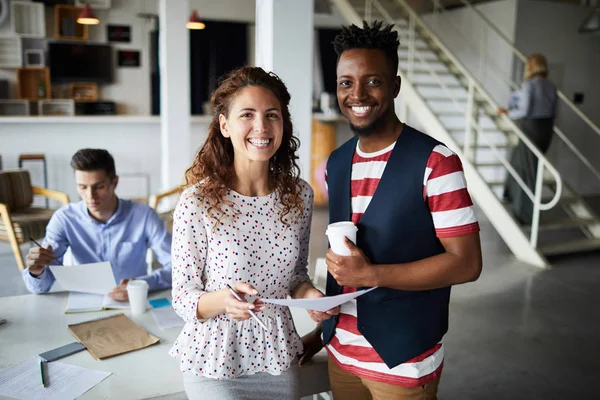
(502, 111)
(119, 293)
(319, 316)
(354, 270)
(312, 345)
(38, 258)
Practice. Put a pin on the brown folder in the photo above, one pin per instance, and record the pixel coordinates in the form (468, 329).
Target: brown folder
(110, 336)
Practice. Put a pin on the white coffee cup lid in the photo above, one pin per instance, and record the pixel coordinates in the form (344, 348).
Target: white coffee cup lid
(339, 228)
(137, 284)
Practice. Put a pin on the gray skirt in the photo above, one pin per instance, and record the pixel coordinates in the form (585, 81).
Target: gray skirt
(262, 386)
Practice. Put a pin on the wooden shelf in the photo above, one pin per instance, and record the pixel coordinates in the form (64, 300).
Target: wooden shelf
(28, 19)
(94, 4)
(14, 108)
(28, 83)
(65, 23)
(10, 52)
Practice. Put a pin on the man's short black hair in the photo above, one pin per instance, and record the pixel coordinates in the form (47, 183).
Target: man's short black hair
(93, 160)
(375, 36)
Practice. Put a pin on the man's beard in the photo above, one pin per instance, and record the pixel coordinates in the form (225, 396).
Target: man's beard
(365, 131)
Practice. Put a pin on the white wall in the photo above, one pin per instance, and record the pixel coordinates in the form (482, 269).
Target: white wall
(464, 34)
(244, 11)
(574, 62)
(134, 145)
(131, 86)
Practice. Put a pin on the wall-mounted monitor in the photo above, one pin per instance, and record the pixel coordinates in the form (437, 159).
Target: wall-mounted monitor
(78, 62)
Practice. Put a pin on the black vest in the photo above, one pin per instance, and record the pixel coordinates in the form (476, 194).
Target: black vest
(396, 228)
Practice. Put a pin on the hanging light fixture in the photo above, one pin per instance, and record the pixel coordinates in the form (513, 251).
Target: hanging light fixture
(591, 25)
(87, 16)
(194, 21)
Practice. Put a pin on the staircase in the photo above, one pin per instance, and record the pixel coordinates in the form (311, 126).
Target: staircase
(452, 106)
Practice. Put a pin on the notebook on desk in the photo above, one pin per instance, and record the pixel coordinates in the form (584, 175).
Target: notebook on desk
(85, 302)
(110, 336)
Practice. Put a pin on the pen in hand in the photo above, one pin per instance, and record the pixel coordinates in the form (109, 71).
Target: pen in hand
(233, 292)
(39, 245)
(42, 373)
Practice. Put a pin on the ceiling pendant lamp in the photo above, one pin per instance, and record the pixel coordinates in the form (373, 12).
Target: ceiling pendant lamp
(87, 16)
(194, 21)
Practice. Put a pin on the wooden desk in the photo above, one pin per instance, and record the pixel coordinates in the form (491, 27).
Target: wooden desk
(37, 323)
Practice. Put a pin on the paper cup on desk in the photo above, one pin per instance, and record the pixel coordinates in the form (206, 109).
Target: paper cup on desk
(137, 290)
(337, 232)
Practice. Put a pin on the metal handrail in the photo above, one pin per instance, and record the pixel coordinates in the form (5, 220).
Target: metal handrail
(476, 86)
(523, 58)
(545, 162)
(560, 94)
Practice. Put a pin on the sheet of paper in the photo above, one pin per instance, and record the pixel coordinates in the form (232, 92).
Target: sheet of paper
(63, 381)
(320, 304)
(166, 317)
(89, 278)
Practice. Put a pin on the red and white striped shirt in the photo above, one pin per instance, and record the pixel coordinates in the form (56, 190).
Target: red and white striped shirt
(444, 189)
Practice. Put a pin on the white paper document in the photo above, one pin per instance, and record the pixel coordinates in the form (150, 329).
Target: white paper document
(85, 302)
(321, 304)
(63, 381)
(89, 278)
(166, 317)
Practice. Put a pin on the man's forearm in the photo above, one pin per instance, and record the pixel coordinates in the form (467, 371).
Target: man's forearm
(435, 272)
(39, 284)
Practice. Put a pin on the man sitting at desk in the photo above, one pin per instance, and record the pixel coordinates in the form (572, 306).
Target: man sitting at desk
(102, 227)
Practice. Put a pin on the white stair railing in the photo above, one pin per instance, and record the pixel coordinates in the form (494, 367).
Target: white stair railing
(476, 91)
(439, 8)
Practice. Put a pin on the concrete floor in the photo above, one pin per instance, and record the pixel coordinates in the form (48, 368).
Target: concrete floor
(517, 333)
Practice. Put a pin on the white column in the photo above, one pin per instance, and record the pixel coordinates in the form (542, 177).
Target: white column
(174, 59)
(284, 45)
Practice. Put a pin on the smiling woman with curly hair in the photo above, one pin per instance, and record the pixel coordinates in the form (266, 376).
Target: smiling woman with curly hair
(243, 220)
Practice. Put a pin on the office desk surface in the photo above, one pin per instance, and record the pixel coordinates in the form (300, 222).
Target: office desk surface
(37, 323)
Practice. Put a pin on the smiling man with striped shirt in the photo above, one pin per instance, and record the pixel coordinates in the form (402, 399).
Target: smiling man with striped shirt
(417, 233)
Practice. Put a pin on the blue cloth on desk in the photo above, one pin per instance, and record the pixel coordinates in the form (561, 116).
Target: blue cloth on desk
(123, 240)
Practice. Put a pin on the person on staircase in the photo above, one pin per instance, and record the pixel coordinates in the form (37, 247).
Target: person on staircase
(534, 110)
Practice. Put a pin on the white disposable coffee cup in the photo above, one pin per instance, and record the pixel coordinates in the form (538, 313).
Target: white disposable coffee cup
(137, 290)
(336, 233)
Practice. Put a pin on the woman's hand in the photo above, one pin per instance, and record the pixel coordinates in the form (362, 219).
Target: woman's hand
(239, 310)
(502, 111)
(319, 316)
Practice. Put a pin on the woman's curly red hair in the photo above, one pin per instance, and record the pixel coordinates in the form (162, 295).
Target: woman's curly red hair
(212, 170)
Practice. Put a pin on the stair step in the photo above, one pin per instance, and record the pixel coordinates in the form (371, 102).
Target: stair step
(489, 164)
(425, 71)
(566, 223)
(447, 100)
(480, 145)
(436, 85)
(419, 45)
(449, 113)
(572, 246)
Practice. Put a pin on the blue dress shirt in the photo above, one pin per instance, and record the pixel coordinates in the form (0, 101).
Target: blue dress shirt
(123, 240)
(537, 99)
